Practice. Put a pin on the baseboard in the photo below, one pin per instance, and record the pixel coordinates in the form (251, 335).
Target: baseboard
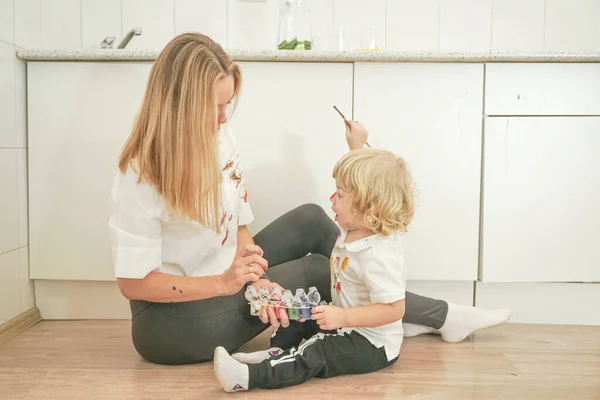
(543, 303)
(80, 300)
(19, 324)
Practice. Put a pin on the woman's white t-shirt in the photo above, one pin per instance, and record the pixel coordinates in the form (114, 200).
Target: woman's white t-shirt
(147, 236)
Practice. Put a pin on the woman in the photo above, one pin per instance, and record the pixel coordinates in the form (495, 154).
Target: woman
(181, 249)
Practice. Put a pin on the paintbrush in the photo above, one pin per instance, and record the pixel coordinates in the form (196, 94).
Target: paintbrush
(346, 121)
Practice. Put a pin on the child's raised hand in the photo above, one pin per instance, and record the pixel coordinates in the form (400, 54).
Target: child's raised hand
(329, 317)
(356, 135)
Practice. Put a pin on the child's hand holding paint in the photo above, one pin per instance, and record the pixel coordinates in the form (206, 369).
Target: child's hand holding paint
(278, 306)
(329, 317)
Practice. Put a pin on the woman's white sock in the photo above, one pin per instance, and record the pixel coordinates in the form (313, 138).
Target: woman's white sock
(411, 330)
(462, 321)
(232, 375)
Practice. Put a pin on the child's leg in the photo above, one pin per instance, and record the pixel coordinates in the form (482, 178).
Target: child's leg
(292, 336)
(282, 339)
(323, 356)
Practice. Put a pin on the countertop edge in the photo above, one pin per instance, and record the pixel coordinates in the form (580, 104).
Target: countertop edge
(312, 56)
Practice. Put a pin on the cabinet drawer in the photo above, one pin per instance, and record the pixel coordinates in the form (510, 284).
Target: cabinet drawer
(542, 89)
(541, 196)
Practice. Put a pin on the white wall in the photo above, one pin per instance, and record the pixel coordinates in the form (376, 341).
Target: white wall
(16, 290)
(419, 25)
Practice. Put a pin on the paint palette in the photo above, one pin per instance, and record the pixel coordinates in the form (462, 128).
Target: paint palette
(297, 306)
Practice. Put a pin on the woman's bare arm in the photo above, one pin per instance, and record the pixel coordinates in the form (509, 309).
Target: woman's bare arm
(164, 288)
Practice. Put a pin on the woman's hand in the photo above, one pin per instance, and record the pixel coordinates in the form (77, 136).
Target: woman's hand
(329, 317)
(265, 316)
(248, 266)
(269, 316)
(356, 135)
(266, 283)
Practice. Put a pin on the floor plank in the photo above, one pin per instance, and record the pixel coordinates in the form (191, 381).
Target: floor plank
(96, 360)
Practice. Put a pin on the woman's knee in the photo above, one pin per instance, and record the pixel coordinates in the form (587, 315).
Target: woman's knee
(157, 341)
(319, 261)
(311, 212)
(142, 343)
(168, 353)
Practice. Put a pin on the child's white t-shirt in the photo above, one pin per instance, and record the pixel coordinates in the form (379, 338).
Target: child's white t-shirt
(369, 271)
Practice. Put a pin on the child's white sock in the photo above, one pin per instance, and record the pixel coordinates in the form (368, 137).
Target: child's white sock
(461, 321)
(232, 375)
(411, 330)
(257, 356)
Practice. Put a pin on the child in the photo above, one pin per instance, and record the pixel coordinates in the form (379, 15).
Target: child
(361, 331)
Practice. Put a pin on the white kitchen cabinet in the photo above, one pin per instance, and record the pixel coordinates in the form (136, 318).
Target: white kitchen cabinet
(80, 115)
(289, 134)
(542, 89)
(430, 114)
(541, 199)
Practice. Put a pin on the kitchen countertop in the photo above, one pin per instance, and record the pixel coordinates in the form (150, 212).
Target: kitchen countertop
(310, 56)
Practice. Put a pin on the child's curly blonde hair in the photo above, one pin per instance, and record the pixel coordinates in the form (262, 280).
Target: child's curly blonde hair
(380, 188)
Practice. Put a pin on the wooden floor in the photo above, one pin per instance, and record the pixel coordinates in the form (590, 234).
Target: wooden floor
(95, 360)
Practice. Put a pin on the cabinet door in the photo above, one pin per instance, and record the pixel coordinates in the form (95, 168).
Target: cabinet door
(541, 199)
(80, 115)
(430, 114)
(542, 89)
(289, 134)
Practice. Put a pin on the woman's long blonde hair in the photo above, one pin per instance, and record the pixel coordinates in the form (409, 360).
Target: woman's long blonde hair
(173, 145)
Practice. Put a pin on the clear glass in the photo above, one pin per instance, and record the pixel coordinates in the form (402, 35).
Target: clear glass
(338, 39)
(368, 38)
(295, 26)
(349, 38)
